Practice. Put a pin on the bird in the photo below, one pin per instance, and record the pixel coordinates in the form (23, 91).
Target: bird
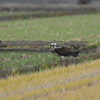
(63, 52)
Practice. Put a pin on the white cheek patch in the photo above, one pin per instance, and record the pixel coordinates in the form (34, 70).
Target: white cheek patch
(54, 46)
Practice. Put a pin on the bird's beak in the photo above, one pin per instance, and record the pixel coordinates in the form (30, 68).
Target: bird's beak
(52, 51)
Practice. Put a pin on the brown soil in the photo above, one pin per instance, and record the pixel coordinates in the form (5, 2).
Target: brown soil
(42, 46)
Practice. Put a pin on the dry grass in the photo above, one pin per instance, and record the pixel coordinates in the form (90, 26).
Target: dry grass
(71, 83)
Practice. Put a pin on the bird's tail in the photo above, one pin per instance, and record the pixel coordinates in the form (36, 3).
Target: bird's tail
(76, 53)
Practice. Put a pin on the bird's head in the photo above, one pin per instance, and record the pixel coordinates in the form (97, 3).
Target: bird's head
(53, 45)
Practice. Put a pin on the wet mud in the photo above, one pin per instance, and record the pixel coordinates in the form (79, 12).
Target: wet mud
(43, 46)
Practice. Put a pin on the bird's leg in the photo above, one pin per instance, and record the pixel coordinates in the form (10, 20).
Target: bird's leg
(61, 60)
(66, 62)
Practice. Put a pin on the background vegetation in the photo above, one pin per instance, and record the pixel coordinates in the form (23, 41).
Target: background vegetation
(21, 59)
(78, 27)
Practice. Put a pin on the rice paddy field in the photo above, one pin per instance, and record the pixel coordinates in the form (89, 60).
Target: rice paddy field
(22, 59)
(73, 83)
(66, 28)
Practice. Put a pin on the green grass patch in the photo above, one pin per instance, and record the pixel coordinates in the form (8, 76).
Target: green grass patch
(92, 45)
(21, 59)
(17, 59)
(78, 27)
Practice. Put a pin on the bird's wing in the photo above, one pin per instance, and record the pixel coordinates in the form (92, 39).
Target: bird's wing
(63, 51)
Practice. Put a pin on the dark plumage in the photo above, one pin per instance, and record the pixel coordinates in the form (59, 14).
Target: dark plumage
(63, 51)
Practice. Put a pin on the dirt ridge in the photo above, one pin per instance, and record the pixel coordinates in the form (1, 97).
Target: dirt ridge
(42, 46)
